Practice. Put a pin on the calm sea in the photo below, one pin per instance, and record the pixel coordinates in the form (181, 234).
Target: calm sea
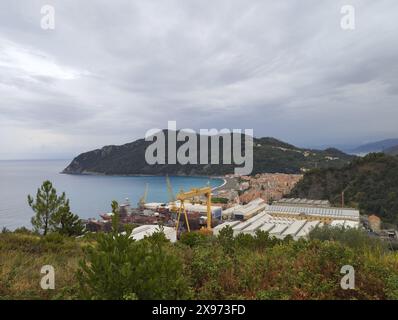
(89, 195)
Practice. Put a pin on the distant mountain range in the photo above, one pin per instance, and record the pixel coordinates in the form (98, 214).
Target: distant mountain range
(378, 146)
(270, 155)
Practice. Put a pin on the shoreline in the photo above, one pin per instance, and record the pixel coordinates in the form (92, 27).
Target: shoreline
(93, 174)
(141, 175)
(219, 187)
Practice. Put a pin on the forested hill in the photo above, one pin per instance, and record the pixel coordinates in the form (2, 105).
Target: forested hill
(270, 155)
(370, 183)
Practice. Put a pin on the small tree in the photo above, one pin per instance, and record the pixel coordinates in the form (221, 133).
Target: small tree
(47, 206)
(67, 223)
(226, 240)
(102, 273)
(120, 268)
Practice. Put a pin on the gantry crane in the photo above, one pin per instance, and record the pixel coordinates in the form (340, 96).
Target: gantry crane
(182, 196)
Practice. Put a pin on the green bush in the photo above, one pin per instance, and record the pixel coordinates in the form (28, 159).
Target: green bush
(211, 272)
(354, 238)
(219, 200)
(119, 268)
(24, 230)
(193, 239)
(226, 240)
(392, 287)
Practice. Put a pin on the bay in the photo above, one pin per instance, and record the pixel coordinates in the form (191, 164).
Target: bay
(89, 195)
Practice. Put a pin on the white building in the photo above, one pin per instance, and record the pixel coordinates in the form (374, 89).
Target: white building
(141, 232)
(244, 212)
(295, 218)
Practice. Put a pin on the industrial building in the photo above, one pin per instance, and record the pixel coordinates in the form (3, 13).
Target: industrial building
(289, 217)
(302, 202)
(244, 212)
(324, 214)
(275, 226)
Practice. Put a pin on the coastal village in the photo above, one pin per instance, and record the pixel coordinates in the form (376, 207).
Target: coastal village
(244, 203)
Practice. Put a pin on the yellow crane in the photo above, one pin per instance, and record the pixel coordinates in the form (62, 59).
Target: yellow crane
(172, 199)
(196, 192)
(142, 201)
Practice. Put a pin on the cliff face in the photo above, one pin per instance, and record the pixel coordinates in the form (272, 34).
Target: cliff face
(270, 155)
(123, 159)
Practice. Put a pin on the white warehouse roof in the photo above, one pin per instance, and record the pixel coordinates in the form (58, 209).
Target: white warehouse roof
(141, 232)
(345, 223)
(317, 211)
(277, 227)
(294, 228)
(247, 210)
(306, 229)
(217, 229)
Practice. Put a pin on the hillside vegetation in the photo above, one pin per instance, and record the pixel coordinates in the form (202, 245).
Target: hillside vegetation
(270, 155)
(199, 266)
(369, 183)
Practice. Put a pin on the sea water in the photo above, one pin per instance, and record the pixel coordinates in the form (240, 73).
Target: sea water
(89, 195)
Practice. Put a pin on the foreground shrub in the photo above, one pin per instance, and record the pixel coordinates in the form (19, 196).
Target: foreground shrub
(193, 239)
(260, 267)
(354, 238)
(120, 268)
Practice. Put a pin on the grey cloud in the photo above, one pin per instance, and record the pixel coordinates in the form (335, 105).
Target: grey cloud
(283, 68)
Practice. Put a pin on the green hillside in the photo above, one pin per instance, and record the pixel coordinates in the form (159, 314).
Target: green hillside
(370, 183)
(270, 155)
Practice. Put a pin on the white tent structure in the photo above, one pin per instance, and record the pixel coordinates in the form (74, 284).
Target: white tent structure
(141, 232)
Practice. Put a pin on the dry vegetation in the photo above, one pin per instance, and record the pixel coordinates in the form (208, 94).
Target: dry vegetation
(22, 257)
(243, 267)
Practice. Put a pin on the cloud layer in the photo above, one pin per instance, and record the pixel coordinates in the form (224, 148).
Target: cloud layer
(110, 71)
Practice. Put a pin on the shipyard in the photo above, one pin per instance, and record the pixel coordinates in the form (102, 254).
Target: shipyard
(245, 204)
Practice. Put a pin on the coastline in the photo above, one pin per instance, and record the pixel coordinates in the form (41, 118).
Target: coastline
(225, 181)
(219, 187)
(87, 173)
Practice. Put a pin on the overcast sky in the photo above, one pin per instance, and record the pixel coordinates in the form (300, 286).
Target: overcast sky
(111, 70)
